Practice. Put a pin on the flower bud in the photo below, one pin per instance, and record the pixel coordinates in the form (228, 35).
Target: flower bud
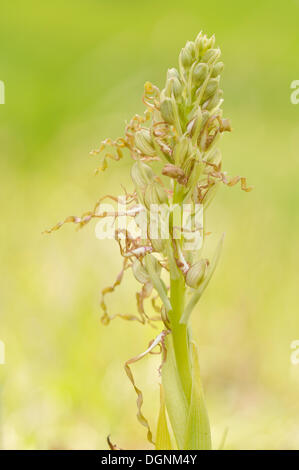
(215, 100)
(143, 142)
(176, 87)
(180, 151)
(217, 69)
(211, 89)
(173, 86)
(141, 174)
(200, 73)
(211, 42)
(194, 125)
(190, 47)
(195, 274)
(210, 55)
(140, 272)
(199, 43)
(187, 54)
(166, 110)
(186, 58)
(173, 73)
(198, 38)
(154, 194)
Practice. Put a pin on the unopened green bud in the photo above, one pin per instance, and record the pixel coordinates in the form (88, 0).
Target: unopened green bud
(173, 85)
(194, 125)
(177, 87)
(198, 38)
(210, 55)
(186, 58)
(195, 274)
(167, 91)
(155, 194)
(200, 46)
(187, 54)
(166, 110)
(200, 73)
(217, 69)
(143, 142)
(140, 272)
(211, 88)
(141, 174)
(211, 42)
(215, 100)
(199, 43)
(190, 47)
(180, 151)
(173, 73)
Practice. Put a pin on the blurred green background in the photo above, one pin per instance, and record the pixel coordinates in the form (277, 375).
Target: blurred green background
(74, 72)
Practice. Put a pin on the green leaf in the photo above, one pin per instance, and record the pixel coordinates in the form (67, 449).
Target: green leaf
(198, 434)
(198, 293)
(176, 402)
(163, 440)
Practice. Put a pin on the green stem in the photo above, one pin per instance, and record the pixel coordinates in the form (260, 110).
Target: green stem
(180, 331)
(183, 393)
(180, 334)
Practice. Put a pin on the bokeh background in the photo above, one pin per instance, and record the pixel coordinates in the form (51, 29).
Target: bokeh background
(74, 72)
